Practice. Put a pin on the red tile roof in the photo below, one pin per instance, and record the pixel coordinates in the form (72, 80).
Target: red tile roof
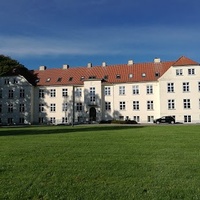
(141, 72)
(184, 61)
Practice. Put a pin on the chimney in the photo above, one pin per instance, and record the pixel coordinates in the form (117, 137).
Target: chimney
(104, 64)
(157, 60)
(42, 67)
(130, 62)
(65, 66)
(89, 65)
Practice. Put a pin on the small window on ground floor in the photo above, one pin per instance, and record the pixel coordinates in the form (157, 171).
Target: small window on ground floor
(150, 118)
(136, 118)
(187, 118)
(121, 117)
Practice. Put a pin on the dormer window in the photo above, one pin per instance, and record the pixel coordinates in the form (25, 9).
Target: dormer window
(37, 80)
(48, 79)
(157, 74)
(92, 77)
(82, 78)
(118, 76)
(130, 75)
(143, 74)
(105, 77)
(59, 79)
(70, 78)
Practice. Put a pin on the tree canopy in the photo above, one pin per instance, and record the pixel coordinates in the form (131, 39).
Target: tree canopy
(11, 67)
(7, 64)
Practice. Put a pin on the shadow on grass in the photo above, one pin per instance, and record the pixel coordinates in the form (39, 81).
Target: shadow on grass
(17, 131)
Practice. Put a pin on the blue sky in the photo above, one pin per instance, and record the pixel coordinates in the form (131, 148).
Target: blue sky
(75, 32)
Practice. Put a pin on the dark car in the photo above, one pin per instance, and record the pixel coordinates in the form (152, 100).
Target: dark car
(165, 119)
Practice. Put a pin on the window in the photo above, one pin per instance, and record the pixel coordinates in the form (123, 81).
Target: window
(21, 120)
(136, 105)
(10, 94)
(59, 79)
(149, 89)
(82, 78)
(64, 107)
(186, 103)
(122, 105)
(6, 81)
(52, 107)
(70, 78)
(118, 76)
(150, 118)
(107, 106)
(21, 93)
(121, 118)
(64, 92)
(121, 90)
(92, 77)
(21, 107)
(52, 120)
(143, 74)
(186, 87)
(130, 75)
(179, 72)
(199, 103)
(48, 79)
(171, 104)
(191, 71)
(10, 108)
(10, 120)
(0, 108)
(105, 77)
(135, 89)
(15, 81)
(107, 91)
(79, 107)
(92, 94)
(64, 120)
(199, 86)
(78, 92)
(136, 118)
(149, 105)
(41, 107)
(41, 120)
(1, 94)
(52, 93)
(41, 93)
(170, 87)
(187, 118)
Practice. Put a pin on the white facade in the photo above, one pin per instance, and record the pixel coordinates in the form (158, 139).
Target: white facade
(176, 92)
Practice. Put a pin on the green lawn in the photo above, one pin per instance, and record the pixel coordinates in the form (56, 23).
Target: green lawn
(100, 162)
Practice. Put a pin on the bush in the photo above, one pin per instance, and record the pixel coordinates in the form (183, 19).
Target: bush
(124, 122)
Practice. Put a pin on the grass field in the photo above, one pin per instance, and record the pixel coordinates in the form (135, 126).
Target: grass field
(100, 162)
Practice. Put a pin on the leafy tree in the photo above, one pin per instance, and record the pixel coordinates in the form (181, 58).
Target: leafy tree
(11, 67)
(7, 64)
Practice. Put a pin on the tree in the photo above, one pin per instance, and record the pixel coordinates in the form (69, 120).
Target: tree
(7, 64)
(11, 67)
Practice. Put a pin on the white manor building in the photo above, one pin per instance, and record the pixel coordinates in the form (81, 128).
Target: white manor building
(138, 91)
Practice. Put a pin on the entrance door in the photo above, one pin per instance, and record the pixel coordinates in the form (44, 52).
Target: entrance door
(92, 114)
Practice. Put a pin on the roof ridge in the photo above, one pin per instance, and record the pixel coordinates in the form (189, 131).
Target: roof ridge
(183, 60)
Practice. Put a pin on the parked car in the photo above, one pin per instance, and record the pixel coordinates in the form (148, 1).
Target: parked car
(165, 119)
